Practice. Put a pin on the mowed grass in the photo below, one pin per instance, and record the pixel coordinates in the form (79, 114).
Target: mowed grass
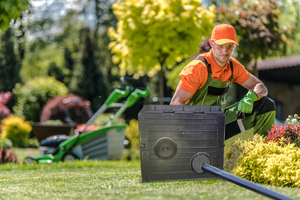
(107, 180)
(23, 153)
(88, 179)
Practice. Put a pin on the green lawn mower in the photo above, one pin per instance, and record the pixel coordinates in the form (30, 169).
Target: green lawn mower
(93, 142)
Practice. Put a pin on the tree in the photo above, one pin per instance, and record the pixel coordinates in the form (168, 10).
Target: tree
(104, 15)
(152, 35)
(69, 64)
(105, 18)
(10, 10)
(172, 75)
(290, 15)
(88, 80)
(40, 58)
(257, 28)
(53, 54)
(9, 62)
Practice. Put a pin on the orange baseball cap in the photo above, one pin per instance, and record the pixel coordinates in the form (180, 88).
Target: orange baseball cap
(223, 34)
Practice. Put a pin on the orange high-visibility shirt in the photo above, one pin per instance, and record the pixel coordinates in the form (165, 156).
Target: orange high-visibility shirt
(194, 75)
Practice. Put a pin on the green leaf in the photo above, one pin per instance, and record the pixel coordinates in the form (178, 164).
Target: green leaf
(10, 10)
(155, 33)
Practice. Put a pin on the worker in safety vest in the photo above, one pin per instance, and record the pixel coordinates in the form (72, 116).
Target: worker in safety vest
(206, 80)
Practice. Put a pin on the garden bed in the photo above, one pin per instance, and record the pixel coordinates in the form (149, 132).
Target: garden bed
(42, 131)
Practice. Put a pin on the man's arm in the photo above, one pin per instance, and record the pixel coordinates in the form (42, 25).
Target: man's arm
(180, 97)
(253, 83)
(257, 90)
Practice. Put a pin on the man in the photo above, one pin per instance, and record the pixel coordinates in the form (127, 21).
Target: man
(205, 81)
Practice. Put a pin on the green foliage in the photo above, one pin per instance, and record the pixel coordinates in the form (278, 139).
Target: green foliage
(152, 34)
(6, 143)
(60, 48)
(11, 10)
(75, 55)
(172, 76)
(131, 154)
(290, 14)
(35, 64)
(105, 117)
(103, 8)
(34, 94)
(132, 133)
(257, 28)
(88, 80)
(33, 143)
(17, 130)
(9, 62)
(267, 163)
(293, 120)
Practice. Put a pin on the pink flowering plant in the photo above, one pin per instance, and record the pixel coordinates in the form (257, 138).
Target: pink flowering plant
(284, 134)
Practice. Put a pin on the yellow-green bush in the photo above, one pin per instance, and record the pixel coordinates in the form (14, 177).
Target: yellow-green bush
(132, 133)
(17, 130)
(267, 163)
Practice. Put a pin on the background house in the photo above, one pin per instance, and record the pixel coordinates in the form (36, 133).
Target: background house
(282, 78)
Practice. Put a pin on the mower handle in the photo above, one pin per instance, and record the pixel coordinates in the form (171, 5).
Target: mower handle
(135, 95)
(116, 95)
(137, 83)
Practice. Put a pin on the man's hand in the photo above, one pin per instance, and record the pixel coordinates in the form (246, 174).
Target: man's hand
(245, 105)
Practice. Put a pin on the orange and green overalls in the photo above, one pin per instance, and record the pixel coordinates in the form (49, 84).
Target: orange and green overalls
(214, 92)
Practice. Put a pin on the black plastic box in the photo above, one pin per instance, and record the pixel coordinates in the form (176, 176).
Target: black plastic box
(171, 135)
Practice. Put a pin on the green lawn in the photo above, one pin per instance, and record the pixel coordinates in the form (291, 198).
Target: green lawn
(23, 153)
(107, 180)
(111, 180)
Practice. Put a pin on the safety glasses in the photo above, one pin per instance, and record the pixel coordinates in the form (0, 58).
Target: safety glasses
(228, 47)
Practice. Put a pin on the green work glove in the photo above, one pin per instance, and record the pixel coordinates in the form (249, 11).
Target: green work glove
(245, 105)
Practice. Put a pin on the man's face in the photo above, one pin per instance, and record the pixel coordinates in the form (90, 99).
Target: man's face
(222, 53)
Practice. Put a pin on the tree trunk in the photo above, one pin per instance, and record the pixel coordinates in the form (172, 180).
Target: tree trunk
(161, 85)
(255, 70)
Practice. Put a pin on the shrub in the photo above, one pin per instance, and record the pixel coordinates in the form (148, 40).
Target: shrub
(77, 108)
(285, 133)
(4, 110)
(34, 94)
(17, 130)
(8, 156)
(131, 154)
(289, 133)
(4, 99)
(132, 133)
(132, 151)
(267, 163)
